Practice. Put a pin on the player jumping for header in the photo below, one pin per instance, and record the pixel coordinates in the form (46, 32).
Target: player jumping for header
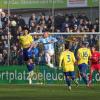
(26, 40)
(48, 43)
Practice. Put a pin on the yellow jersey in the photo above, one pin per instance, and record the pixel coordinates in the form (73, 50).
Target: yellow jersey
(83, 55)
(67, 60)
(25, 40)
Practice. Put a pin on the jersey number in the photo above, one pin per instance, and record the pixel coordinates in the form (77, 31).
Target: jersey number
(68, 58)
(85, 54)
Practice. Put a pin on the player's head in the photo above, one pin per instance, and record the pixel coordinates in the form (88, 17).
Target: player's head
(67, 45)
(84, 44)
(45, 34)
(93, 48)
(25, 30)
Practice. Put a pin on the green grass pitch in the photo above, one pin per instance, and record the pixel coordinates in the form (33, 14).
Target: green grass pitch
(48, 92)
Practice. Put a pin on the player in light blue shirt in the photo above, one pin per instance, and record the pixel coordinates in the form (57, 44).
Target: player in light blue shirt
(48, 42)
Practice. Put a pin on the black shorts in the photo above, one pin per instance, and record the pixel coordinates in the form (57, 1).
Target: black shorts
(27, 54)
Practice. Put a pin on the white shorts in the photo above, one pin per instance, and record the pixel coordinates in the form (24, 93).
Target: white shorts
(50, 52)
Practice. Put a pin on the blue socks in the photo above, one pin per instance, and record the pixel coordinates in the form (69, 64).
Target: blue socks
(84, 78)
(30, 67)
(68, 81)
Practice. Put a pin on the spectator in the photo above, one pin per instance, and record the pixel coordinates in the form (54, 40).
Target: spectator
(14, 55)
(1, 59)
(42, 23)
(20, 57)
(5, 56)
(33, 27)
(96, 25)
(4, 20)
(49, 23)
(32, 19)
(21, 21)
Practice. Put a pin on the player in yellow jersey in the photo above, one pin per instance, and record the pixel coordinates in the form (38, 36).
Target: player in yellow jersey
(67, 60)
(84, 55)
(25, 41)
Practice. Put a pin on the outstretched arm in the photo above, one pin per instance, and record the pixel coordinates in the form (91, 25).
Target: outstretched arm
(53, 40)
(34, 43)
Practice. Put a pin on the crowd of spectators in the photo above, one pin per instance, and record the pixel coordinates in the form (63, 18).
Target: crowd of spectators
(41, 23)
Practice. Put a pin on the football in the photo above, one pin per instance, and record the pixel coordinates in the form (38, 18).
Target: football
(13, 23)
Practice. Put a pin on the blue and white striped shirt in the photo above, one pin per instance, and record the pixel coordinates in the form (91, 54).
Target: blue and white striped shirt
(48, 42)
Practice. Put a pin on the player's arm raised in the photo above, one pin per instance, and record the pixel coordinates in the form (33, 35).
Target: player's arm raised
(52, 40)
(34, 43)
